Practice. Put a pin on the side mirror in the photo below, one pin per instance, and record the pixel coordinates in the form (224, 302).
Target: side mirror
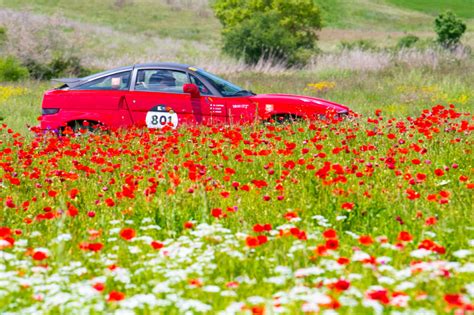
(191, 89)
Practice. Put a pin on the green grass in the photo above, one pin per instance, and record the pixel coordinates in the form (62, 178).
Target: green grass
(151, 18)
(463, 8)
(372, 15)
(398, 90)
(56, 194)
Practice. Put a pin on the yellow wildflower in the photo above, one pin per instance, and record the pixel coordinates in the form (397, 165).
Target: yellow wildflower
(7, 92)
(321, 86)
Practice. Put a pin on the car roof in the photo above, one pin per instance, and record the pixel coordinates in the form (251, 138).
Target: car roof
(72, 82)
(104, 73)
(171, 65)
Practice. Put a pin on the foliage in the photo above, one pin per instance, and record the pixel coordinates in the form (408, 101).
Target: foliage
(449, 28)
(12, 70)
(3, 36)
(407, 41)
(360, 44)
(258, 29)
(59, 66)
(261, 37)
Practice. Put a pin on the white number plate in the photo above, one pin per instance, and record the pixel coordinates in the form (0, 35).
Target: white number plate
(159, 117)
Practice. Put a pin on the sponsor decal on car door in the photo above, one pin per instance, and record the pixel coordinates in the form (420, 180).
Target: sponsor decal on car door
(241, 110)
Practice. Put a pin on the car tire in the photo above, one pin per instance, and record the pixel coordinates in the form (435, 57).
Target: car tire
(285, 119)
(78, 127)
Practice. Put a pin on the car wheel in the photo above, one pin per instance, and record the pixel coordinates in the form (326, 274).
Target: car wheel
(79, 127)
(285, 119)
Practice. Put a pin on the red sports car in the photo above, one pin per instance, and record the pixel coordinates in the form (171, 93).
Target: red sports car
(168, 94)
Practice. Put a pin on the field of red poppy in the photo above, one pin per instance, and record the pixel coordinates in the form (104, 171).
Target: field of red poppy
(368, 215)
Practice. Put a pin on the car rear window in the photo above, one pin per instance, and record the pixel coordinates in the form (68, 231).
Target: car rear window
(116, 81)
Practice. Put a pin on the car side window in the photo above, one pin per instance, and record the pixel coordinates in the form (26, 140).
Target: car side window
(116, 81)
(202, 88)
(161, 80)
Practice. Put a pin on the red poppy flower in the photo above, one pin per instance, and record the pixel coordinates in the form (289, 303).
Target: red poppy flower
(195, 282)
(340, 285)
(39, 255)
(4, 231)
(225, 194)
(188, 225)
(332, 244)
(232, 284)
(252, 241)
(99, 286)
(127, 234)
(431, 221)
(343, 261)
(52, 193)
(404, 236)
(290, 215)
(95, 247)
(365, 240)
(379, 295)
(73, 193)
(348, 206)
(454, 300)
(259, 228)
(330, 233)
(115, 296)
(157, 245)
(217, 213)
(439, 172)
(9, 203)
(109, 202)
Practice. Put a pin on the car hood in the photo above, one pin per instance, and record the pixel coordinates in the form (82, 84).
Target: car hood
(290, 99)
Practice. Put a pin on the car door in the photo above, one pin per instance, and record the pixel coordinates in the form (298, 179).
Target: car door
(208, 108)
(157, 98)
(102, 99)
(241, 110)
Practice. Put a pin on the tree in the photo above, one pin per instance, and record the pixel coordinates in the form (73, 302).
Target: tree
(449, 28)
(255, 29)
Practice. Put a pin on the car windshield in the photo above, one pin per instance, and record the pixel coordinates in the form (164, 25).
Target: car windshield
(224, 87)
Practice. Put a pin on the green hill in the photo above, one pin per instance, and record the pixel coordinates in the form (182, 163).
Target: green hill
(115, 32)
(174, 18)
(463, 8)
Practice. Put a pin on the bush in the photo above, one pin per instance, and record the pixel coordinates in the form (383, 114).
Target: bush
(256, 29)
(59, 66)
(3, 36)
(449, 29)
(262, 37)
(407, 41)
(12, 70)
(361, 44)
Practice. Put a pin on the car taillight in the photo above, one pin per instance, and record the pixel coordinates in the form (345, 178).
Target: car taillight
(49, 111)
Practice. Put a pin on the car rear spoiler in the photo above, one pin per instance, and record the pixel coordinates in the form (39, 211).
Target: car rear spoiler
(68, 82)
